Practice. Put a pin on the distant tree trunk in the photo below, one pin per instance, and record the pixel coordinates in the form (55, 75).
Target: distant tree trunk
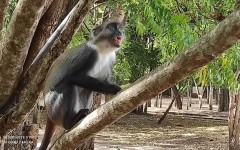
(172, 95)
(145, 108)
(217, 96)
(223, 100)
(189, 99)
(177, 97)
(234, 121)
(166, 112)
(158, 102)
(160, 106)
(140, 110)
(200, 95)
(149, 103)
(35, 115)
(210, 97)
(207, 88)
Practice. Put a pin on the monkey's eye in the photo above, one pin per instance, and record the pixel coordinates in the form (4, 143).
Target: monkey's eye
(119, 27)
(111, 26)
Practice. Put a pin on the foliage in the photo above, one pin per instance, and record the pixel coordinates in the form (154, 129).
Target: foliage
(157, 30)
(11, 6)
(173, 26)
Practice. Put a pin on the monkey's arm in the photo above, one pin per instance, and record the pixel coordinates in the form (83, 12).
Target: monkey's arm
(94, 84)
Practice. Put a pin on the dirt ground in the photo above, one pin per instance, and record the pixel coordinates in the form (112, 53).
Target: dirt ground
(193, 129)
(135, 132)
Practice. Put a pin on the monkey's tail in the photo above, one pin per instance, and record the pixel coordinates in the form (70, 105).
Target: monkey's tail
(50, 128)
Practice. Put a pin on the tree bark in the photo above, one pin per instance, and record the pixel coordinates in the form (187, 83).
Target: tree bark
(47, 25)
(210, 97)
(14, 47)
(29, 86)
(223, 100)
(208, 48)
(234, 121)
(177, 97)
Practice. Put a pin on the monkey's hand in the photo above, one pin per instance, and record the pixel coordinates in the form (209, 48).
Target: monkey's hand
(115, 89)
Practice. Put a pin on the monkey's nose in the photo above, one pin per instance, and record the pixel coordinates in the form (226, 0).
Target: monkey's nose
(119, 37)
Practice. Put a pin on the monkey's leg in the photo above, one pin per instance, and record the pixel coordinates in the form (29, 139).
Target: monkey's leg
(80, 115)
(50, 128)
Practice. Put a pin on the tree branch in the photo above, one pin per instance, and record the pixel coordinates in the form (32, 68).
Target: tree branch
(208, 48)
(31, 83)
(101, 1)
(14, 47)
(47, 24)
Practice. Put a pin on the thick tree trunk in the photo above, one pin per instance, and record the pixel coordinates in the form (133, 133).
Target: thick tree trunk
(28, 89)
(208, 48)
(234, 121)
(177, 96)
(47, 25)
(14, 47)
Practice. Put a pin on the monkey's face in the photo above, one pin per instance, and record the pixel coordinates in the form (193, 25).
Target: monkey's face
(111, 32)
(117, 41)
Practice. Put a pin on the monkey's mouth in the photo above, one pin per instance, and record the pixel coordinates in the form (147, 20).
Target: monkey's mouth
(117, 41)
